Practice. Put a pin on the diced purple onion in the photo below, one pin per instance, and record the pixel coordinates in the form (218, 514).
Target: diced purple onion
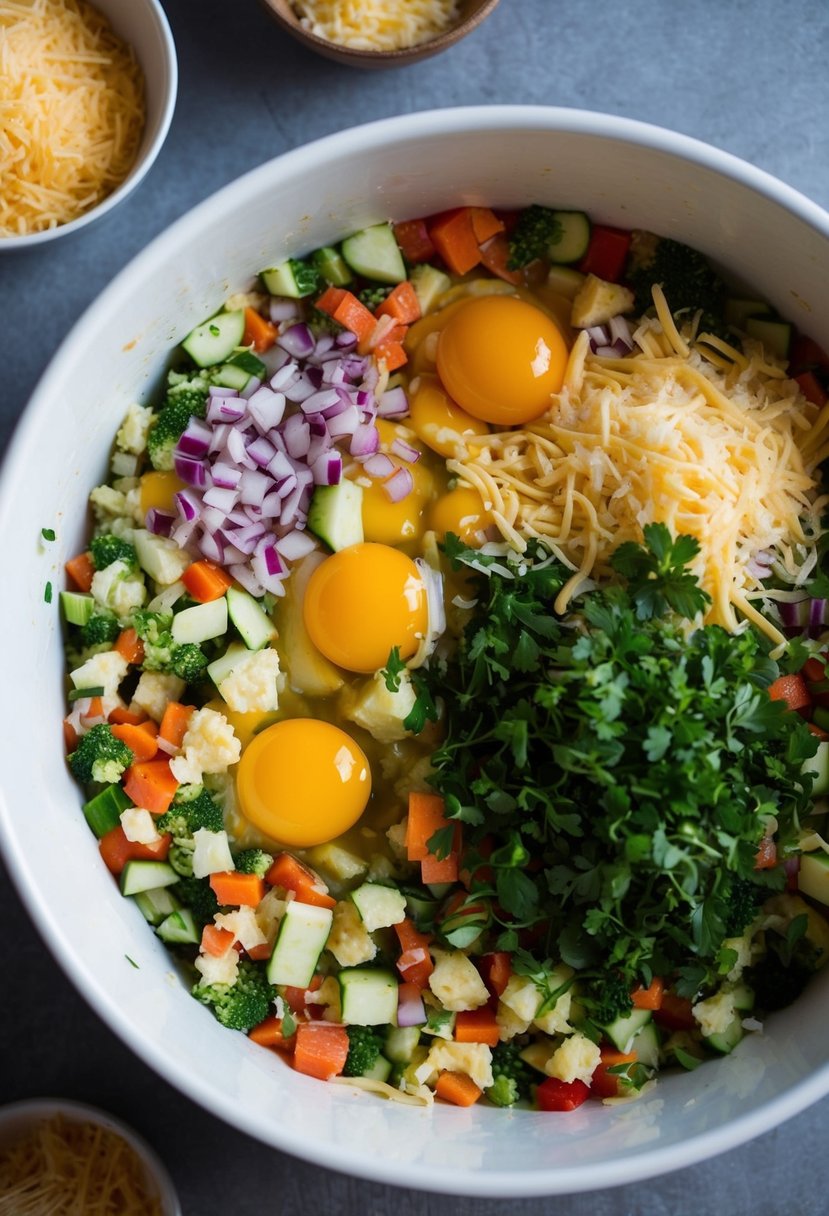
(191, 471)
(226, 476)
(195, 439)
(285, 376)
(379, 466)
(295, 545)
(398, 485)
(365, 440)
(159, 522)
(620, 332)
(598, 336)
(297, 340)
(328, 469)
(266, 407)
(280, 308)
(253, 385)
(405, 451)
(222, 499)
(393, 403)
(345, 423)
(346, 339)
(410, 1009)
(211, 547)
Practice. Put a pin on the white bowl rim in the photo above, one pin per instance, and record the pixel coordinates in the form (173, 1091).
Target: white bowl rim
(442, 1179)
(140, 169)
(45, 1108)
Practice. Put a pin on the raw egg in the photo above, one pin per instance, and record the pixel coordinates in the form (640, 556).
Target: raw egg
(303, 782)
(438, 421)
(501, 359)
(361, 602)
(461, 511)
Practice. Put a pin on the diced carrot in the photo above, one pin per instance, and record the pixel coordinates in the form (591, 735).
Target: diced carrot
(477, 1026)
(205, 581)
(812, 389)
(330, 300)
(116, 850)
(236, 890)
(402, 304)
(353, 315)
(457, 1088)
(603, 1083)
(269, 1034)
(174, 722)
(259, 333)
(766, 856)
(216, 941)
(150, 784)
(70, 736)
(426, 816)
(294, 997)
(94, 710)
(125, 717)
(495, 255)
(606, 254)
(261, 952)
(495, 969)
(391, 354)
(791, 689)
(675, 1013)
(485, 224)
(81, 571)
(307, 886)
(140, 742)
(814, 669)
(650, 997)
(415, 243)
(454, 238)
(321, 1049)
(129, 646)
(415, 962)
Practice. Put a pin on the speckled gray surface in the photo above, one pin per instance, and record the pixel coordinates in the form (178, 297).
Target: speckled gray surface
(748, 76)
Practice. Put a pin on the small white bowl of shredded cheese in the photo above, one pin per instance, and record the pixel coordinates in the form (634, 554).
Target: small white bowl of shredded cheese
(379, 33)
(87, 93)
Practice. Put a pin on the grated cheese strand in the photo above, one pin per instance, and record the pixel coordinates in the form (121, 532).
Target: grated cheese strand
(71, 112)
(377, 25)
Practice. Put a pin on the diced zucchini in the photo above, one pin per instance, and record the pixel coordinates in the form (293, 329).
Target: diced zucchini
(179, 928)
(422, 910)
(251, 620)
(776, 336)
(292, 278)
(379, 906)
(215, 340)
(337, 862)
(331, 265)
(368, 997)
(737, 312)
(156, 904)
(303, 932)
(623, 1030)
(565, 281)
(336, 515)
(222, 667)
(429, 284)
(439, 1022)
(646, 1045)
(725, 1041)
(401, 1042)
(813, 876)
(573, 239)
(77, 607)
(537, 1054)
(743, 998)
(380, 1070)
(138, 876)
(374, 253)
(201, 622)
(103, 812)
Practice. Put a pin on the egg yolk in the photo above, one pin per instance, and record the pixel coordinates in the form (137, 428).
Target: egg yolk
(461, 511)
(501, 359)
(438, 421)
(303, 782)
(361, 602)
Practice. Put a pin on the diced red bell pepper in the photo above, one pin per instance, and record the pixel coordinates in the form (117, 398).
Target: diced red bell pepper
(415, 243)
(675, 1013)
(555, 1095)
(604, 1083)
(606, 254)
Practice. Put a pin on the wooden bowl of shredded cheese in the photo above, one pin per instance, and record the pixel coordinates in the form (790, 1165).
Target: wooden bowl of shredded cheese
(68, 1159)
(86, 97)
(379, 33)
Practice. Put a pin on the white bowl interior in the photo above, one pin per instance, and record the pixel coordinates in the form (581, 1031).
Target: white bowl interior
(622, 173)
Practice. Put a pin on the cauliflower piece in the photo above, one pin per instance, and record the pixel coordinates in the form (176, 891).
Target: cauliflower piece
(252, 683)
(456, 982)
(132, 434)
(209, 746)
(337, 862)
(243, 924)
(396, 836)
(415, 778)
(139, 825)
(555, 1020)
(105, 670)
(379, 710)
(107, 503)
(153, 692)
(522, 997)
(510, 1023)
(119, 589)
(161, 557)
(472, 1059)
(269, 912)
(575, 1060)
(211, 854)
(715, 1014)
(221, 970)
(349, 940)
(597, 301)
(328, 997)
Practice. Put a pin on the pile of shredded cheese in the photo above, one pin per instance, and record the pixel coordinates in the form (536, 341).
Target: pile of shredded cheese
(377, 25)
(63, 1167)
(71, 112)
(711, 442)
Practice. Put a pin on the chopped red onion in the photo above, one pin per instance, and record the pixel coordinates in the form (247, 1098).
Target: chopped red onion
(246, 578)
(410, 1008)
(254, 487)
(251, 387)
(164, 745)
(620, 332)
(297, 436)
(328, 469)
(211, 547)
(297, 340)
(159, 522)
(405, 451)
(195, 439)
(817, 613)
(795, 615)
(295, 545)
(226, 476)
(188, 505)
(192, 472)
(223, 499)
(598, 336)
(219, 390)
(281, 308)
(345, 423)
(398, 485)
(365, 441)
(379, 466)
(320, 401)
(266, 407)
(393, 403)
(346, 339)
(284, 376)
(261, 452)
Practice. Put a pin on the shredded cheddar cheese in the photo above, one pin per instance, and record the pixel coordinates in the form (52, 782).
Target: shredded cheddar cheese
(71, 112)
(694, 434)
(377, 25)
(68, 1168)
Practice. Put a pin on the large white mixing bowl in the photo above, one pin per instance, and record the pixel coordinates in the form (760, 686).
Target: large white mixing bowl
(623, 173)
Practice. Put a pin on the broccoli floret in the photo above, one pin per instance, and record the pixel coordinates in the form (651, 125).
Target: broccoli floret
(197, 895)
(192, 808)
(373, 296)
(101, 627)
(363, 1050)
(180, 857)
(608, 997)
(150, 626)
(188, 662)
(513, 1076)
(687, 279)
(537, 229)
(186, 398)
(161, 653)
(99, 756)
(321, 323)
(744, 899)
(107, 549)
(254, 861)
(242, 1005)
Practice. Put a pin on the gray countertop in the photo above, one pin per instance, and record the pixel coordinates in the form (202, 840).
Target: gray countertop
(748, 76)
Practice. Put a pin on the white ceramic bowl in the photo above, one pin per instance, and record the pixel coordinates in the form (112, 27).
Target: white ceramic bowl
(623, 173)
(144, 26)
(17, 1118)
